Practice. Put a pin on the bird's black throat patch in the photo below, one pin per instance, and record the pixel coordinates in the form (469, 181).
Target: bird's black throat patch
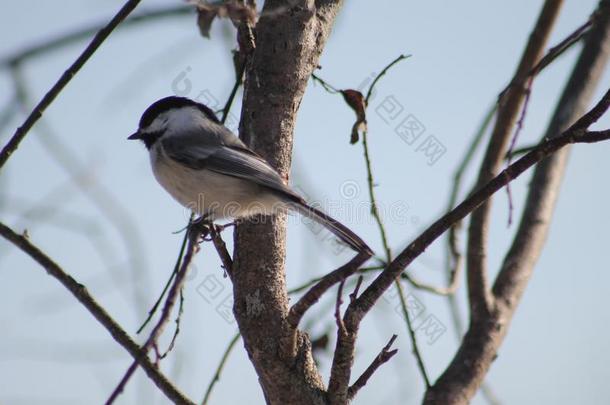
(149, 138)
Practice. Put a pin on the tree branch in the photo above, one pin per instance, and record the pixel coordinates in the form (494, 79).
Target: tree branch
(82, 295)
(479, 348)
(362, 305)
(416, 352)
(219, 369)
(193, 245)
(384, 355)
(508, 110)
(65, 78)
(223, 253)
(288, 42)
(575, 134)
(314, 294)
(454, 255)
(68, 38)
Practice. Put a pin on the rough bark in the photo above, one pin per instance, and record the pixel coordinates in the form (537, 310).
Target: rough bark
(289, 39)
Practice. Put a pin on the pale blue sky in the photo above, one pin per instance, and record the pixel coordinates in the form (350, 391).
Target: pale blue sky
(53, 351)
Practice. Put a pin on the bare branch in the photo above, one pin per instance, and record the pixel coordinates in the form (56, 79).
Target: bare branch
(536, 216)
(194, 233)
(326, 86)
(223, 253)
(575, 134)
(340, 325)
(177, 321)
(508, 110)
(102, 198)
(479, 347)
(381, 74)
(219, 369)
(274, 86)
(384, 355)
(361, 306)
(371, 182)
(82, 295)
(152, 311)
(454, 257)
(388, 251)
(552, 55)
(65, 78)
(315, 293)
(74, 36)
(407, 316)
(354, 293)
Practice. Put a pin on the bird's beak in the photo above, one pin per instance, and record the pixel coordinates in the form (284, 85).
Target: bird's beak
(135, 135)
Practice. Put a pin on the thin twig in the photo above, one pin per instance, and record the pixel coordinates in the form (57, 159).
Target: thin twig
(314, 294)
(358, 309)
(238, 81)
(177, 330)
(509, 107)
(371, 183)
(223, 253)
(454, 258)
(338, 320)
(327, 86)
(381, 74)
(193, 246)
(73, 36)
(152, 311)
(551, 55)
(314, 280)
(354, 293)
(416, 351)
(382, 230)
(519, 152)
(82, 295)
(577, 133)
(518, 128)
(219, 369)
(371, 190)
(102, 198)
(369, 169)
(65, 78)
(384, 355)
(556, 51)
(482, 341)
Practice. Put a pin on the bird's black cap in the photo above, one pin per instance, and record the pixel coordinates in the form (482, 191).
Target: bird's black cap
(161, 106)
(170, 103)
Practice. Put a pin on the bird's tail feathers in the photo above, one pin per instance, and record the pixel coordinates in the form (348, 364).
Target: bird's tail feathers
(336, 227)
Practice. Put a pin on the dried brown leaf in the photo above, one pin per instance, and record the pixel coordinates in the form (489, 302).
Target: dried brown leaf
(357, 102)
(205, 17)
(234, 10)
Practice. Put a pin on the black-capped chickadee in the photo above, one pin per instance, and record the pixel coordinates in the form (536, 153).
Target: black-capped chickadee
(209, 170)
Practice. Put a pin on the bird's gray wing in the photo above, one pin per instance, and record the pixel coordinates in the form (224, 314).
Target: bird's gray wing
(225, 155)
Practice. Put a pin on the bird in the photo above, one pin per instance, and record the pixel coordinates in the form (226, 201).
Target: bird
(206, 168)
